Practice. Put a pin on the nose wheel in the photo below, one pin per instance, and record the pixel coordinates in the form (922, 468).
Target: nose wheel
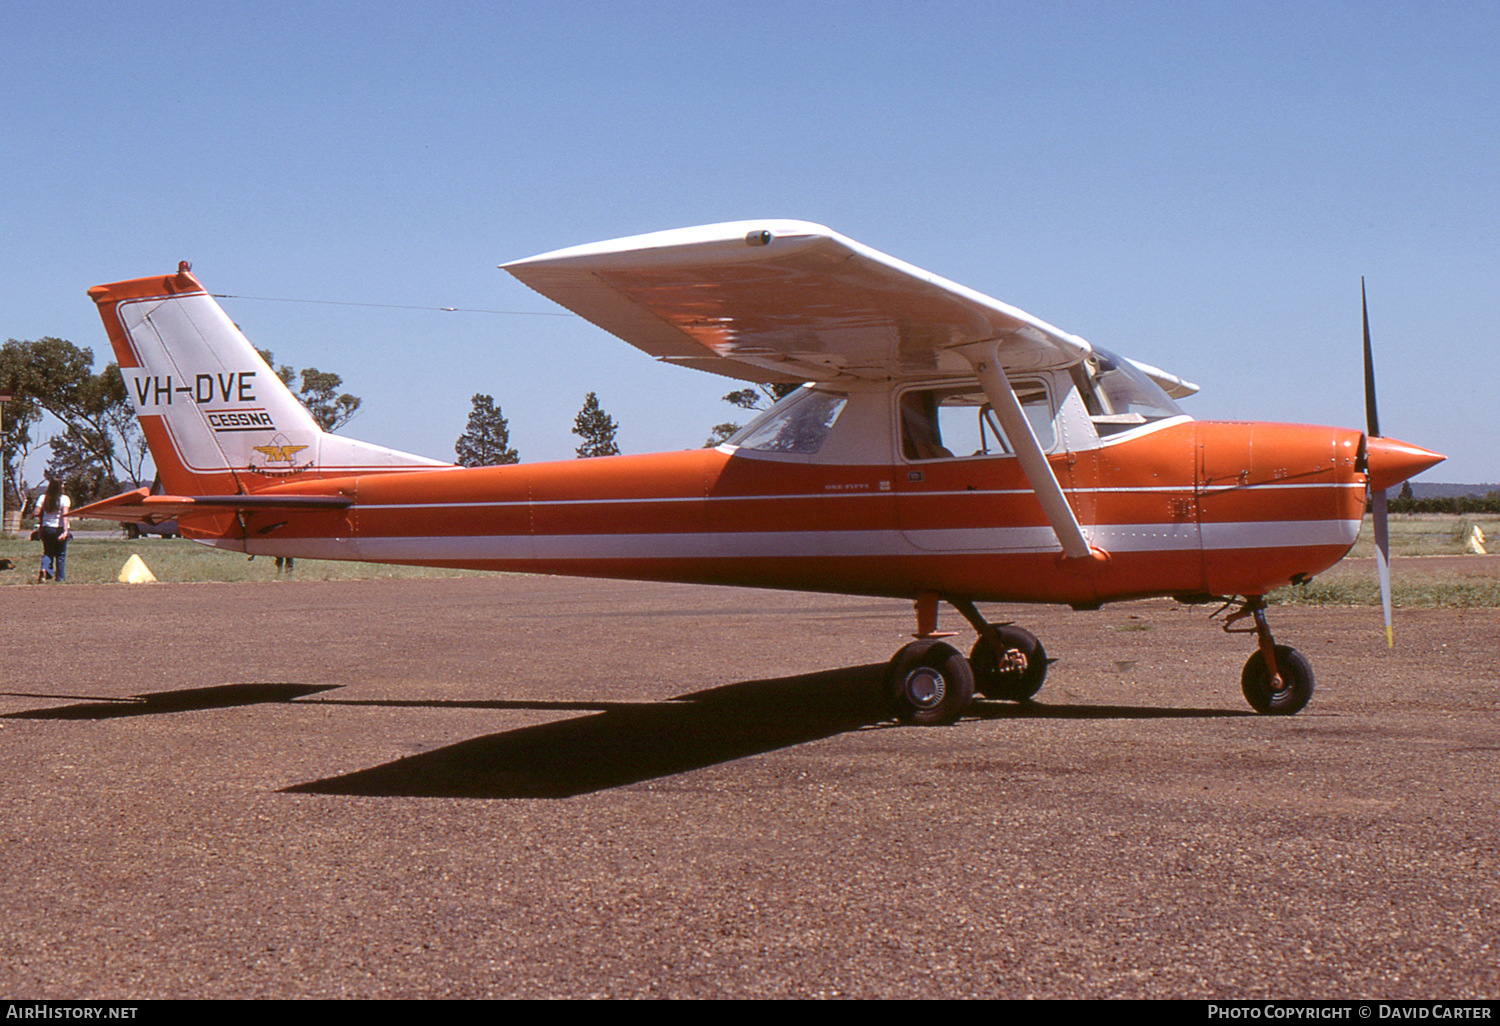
(1277, 679)
(1283, 693)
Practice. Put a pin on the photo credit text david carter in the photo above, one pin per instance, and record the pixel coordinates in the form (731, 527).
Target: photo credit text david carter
(1353, 1010)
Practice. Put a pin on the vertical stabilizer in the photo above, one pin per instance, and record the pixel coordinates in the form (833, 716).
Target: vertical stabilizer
(217, 419)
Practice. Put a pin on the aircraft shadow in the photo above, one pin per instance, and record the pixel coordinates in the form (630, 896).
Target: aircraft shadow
(621, 743)
(630, 742)
(220, 696)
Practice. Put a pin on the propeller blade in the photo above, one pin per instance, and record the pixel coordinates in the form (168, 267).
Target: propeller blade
(1372, 416)
(1377, 495)
(1383, 561)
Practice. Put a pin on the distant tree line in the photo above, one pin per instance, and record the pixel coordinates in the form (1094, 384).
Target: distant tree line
(486, 440)
(1487, 503)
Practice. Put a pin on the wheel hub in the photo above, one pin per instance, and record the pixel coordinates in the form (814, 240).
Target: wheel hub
(925, 688)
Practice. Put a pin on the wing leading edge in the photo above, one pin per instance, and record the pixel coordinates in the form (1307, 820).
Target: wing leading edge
(786, 301)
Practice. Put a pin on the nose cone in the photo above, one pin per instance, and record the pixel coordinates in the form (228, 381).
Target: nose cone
(1392, 462)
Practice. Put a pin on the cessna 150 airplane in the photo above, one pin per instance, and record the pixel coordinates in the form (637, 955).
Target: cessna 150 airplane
(944, 446)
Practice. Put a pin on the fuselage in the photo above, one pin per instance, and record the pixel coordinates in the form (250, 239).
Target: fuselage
(912, 467)
(1180, 507)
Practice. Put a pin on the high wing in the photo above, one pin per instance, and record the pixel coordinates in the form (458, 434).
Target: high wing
(787, 301)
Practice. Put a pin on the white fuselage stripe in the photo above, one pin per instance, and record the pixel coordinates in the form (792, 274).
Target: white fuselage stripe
(1187, 491)
(800, 544)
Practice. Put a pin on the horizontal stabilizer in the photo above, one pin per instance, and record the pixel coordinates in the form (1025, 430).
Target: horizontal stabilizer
(141, 506)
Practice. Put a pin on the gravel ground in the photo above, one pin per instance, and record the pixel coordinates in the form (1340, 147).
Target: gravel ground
(519, 787)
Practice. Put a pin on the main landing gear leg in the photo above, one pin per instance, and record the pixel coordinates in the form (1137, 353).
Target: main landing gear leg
(1009, 663)
(1277, 680)
(929, 682)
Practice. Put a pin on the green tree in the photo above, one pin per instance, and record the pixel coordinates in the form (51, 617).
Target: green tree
(486, 441)
(101, 441)
(596, 428)
(745, 399)
(721, 434)
(319, 393)
(20, 415)
(287, 374)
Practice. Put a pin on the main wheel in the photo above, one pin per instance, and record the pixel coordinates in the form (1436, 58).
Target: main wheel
(1002, 679)
(929, 683)
(1296, 683)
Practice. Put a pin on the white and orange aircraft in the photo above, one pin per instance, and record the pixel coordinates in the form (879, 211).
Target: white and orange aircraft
(944, 446)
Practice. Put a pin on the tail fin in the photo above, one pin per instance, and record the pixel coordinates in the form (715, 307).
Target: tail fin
(217, 419)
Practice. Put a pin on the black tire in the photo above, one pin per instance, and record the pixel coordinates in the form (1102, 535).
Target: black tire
(1009, 685)
(1296, 683)
(929, 683)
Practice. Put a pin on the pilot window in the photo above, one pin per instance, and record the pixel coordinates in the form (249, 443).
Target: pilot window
(956, 421)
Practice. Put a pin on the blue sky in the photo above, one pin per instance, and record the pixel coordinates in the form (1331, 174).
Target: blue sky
(1197, 185)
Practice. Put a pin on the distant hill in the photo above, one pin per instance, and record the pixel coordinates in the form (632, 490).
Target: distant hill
(1439, 490)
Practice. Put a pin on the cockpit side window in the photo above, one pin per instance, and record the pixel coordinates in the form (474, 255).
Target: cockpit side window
(921, 430)
(953, 421)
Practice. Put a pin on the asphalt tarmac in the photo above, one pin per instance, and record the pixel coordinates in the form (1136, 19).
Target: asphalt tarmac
(528, 787)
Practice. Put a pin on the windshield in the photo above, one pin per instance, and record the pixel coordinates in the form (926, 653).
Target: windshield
(799, 423)
(1119, 395)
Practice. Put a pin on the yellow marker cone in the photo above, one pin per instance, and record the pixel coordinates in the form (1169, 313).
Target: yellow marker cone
(135, 572)
(1476, 541)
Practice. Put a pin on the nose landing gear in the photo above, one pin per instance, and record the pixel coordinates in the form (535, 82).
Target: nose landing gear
(1277, 680)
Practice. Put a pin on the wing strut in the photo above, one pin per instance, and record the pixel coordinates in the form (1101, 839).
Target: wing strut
(985, 357)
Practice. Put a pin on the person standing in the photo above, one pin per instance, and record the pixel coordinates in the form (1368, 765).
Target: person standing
(52, 524)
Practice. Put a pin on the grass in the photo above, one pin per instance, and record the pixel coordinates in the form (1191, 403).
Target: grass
(1429, 534)
(99, 560)
(1429, 593)
(1413, 585)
